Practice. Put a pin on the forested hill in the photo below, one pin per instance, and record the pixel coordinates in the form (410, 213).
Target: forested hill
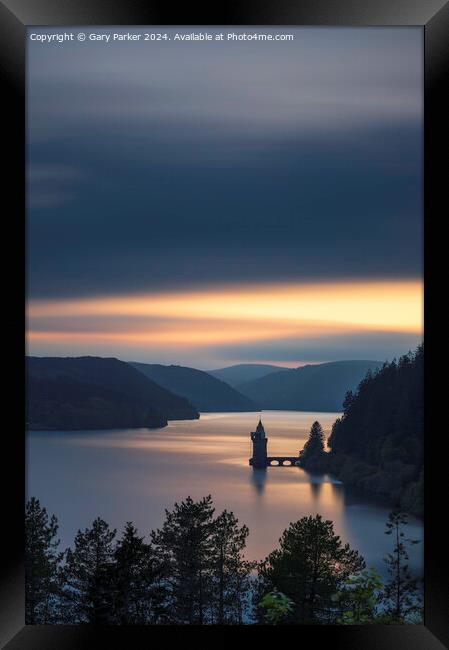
(96, 393)
(207, 393)
(320, 387)
(377, 444)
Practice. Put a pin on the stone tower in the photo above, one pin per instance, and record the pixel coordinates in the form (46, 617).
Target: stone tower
(259, 441)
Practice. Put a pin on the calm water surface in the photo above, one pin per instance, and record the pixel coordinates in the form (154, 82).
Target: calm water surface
(134, 474)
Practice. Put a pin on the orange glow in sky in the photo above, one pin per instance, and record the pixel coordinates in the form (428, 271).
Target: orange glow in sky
(229, 314)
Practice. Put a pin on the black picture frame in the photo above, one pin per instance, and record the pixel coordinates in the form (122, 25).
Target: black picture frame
(15, 16)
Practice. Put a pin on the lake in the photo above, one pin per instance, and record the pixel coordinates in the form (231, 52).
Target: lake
(134, 474)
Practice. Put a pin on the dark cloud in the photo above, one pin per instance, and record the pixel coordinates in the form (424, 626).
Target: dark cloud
(160, 167)
(301, 210)
(163, 165)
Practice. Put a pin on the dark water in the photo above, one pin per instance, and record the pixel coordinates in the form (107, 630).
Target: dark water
(134, 474)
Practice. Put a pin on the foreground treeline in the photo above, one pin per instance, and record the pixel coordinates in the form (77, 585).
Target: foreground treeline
(377, 444)
(193, 571)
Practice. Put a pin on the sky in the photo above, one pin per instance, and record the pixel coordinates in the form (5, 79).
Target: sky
(211, 203)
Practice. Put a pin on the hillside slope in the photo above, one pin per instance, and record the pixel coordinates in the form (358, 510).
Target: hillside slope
(206, 392)
(96, 393)
(308, 388)
(377, 444)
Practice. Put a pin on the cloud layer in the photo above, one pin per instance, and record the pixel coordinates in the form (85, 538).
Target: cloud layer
(179, 167)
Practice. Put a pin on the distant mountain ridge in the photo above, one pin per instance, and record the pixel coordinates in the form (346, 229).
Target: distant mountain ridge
(204, 391)
(70, 393)
(320, 387)
(100, 393)
(244, 372)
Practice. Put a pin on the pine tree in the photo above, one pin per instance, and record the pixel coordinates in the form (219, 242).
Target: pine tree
(89, 576)
(139, 593)
(402, 598)
(315, 443)
(313, 455)
(42, 565)
(309, 567)
(184, 546)
(230, 570)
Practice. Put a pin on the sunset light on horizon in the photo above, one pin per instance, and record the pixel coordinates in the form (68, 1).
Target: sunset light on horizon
(197, 320)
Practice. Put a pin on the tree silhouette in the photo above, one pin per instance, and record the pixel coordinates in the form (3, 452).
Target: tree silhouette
(89, 575)
(138, 591)
(309, 567)
(194, 572)
(230, 571)
(401, 594)
(313, 456)
(42, 564)
(184, 546)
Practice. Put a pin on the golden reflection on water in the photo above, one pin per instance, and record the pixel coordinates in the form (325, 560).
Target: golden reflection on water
(135, 474)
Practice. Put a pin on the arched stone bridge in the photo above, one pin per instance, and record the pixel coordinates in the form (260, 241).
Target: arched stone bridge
(282, 461)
